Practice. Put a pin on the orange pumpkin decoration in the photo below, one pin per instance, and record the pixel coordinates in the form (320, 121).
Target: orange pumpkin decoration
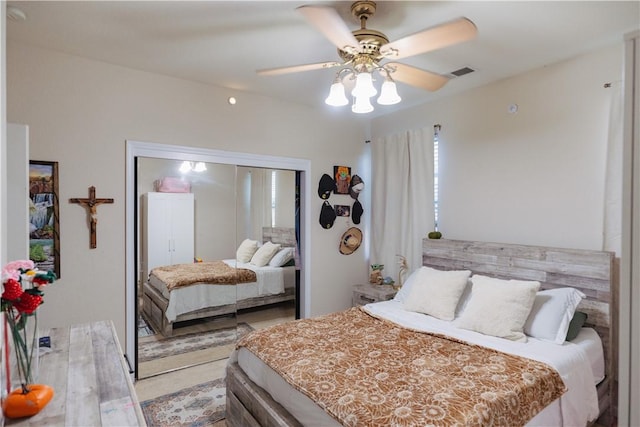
(19, 404)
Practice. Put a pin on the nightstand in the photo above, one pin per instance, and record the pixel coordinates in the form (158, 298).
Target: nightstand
(367, 293)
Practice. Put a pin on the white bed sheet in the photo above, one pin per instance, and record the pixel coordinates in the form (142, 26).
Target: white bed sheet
(271, 281)
(577, 406)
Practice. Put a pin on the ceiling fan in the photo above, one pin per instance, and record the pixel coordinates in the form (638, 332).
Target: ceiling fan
(365, 51)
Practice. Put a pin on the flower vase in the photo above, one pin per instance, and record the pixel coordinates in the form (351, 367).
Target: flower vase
(27, 397)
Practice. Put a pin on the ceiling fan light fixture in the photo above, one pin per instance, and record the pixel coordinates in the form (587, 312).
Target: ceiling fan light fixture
(200, 167)
(337, 97)
(389, 93)
(188, 166)
(362, 105)
(185, 166)
(364, 86)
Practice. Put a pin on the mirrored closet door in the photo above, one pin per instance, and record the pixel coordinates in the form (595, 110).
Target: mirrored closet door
(195, 298)
(267, 208)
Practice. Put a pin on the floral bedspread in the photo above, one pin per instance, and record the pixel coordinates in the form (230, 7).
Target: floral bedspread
(366, 371)
(213, 272)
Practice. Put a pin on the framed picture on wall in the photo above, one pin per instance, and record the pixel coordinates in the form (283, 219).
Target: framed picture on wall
(342, 176)
(44, 221)
(342, 210)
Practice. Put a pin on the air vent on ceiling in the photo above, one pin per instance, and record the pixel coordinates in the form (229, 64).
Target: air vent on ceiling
(462, 71)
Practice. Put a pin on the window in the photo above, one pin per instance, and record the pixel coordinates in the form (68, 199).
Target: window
(436, 141)
(273, 198)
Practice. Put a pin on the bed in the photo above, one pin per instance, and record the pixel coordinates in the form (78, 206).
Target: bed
(258, 395)
(163, 308)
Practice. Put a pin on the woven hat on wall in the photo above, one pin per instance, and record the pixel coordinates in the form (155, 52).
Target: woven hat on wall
(350, 241)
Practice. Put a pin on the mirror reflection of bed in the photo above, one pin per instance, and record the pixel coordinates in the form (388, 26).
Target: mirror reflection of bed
(194, 303)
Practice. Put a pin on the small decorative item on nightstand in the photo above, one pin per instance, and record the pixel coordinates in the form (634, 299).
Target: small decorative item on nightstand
(376, 274)
(368, 293)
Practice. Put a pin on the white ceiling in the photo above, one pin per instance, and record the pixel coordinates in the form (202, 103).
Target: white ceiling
(224, 42)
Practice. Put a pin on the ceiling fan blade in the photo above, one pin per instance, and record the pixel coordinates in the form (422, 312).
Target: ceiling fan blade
(433, 38)
(417, 77)
(331, 25)
(297, 68)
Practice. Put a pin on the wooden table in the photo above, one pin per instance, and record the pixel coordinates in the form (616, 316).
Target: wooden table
(90, 377)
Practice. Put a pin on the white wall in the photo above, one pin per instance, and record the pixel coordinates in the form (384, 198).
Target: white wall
(80, 112)
(17, 192)
(535, 177)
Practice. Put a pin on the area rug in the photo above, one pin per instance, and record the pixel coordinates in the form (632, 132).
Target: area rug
(161, 347)
(202, 405)
(144, 329)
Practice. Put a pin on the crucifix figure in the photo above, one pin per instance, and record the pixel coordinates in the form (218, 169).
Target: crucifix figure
(92, 203)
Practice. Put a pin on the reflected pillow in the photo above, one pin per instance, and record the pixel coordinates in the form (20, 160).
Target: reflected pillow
(436, 292)
(264, 254)
(246, 250)
(498, 307)
(551, 314)
(282, 257)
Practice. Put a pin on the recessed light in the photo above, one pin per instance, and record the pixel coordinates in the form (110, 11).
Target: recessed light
(232, 100)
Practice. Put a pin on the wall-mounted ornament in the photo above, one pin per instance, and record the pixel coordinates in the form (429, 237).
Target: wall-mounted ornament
(355, 187)
(350, 241)
(327, 215)
(356, 212)
(44, 221)
(326, 186)
(91, 204)
(342, 176)
(342, 210)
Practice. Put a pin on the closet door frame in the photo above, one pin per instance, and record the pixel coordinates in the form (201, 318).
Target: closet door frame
(135, 149)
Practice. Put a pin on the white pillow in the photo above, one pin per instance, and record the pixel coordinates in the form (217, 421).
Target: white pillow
(264, 254)
(404, 291)
(283, 256)
(551, 314)
(498, 307)
(246, 250)
(436, 292)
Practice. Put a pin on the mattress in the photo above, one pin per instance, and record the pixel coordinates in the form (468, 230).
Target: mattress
(271, 281)
(580, 364)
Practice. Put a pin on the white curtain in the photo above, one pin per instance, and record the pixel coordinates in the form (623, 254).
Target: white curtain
(401, 198)
(612, 230)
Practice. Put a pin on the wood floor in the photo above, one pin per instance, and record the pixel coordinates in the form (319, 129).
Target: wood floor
(159, 385)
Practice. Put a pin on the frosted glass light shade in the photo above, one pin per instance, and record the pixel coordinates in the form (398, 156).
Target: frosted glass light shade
(362, 105)
(364, 86)
(200, 167)
(336, 97)
(185, 166)
(388, 94)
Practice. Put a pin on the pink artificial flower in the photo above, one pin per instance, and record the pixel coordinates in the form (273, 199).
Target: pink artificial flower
(10, 271)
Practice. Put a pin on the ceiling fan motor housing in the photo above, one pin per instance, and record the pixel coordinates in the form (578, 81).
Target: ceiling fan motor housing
(369, 40)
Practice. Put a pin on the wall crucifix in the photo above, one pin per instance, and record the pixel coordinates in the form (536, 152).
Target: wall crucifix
(92, 203)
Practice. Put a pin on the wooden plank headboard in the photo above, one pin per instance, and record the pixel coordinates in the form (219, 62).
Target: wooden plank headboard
(280, 235)
(589, 271)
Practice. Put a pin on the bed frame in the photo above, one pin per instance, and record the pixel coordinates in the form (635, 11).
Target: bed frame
(592, 272)
(155, 304)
